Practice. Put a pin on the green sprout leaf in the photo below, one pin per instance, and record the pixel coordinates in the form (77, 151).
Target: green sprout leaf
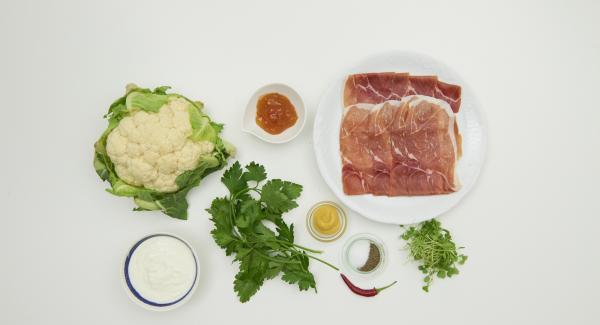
(432, 247)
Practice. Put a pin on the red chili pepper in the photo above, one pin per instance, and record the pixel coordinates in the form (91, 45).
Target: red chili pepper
(364, 292)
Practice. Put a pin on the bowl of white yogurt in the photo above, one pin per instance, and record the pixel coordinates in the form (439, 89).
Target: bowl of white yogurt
(160, 272)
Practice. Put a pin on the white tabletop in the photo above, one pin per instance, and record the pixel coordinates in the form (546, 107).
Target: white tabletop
(530, 225)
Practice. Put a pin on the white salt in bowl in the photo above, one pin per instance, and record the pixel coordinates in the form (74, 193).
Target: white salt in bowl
(356, 252)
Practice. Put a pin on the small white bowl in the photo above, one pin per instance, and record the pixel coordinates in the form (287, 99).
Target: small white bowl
(141, 301)
(348, 265)
(249, 122)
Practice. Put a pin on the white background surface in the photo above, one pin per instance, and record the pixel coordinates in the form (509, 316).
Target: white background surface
(530, 225)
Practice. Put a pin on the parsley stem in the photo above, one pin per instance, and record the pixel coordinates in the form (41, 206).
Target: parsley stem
(308, 249)
(324, 262)
(232, 201)
(299, 246)
(273, 259)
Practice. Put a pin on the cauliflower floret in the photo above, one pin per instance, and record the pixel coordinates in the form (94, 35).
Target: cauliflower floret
(167, 164)
(119, 144)
(188, 154)
(151, 156)
(141, 171)
(152, 149)
(165, 182)
(134, 149)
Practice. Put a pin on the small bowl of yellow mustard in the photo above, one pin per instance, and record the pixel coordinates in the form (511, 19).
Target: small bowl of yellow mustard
(326, 221)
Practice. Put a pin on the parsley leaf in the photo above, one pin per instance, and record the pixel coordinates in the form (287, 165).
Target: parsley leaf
(284, 232)
(221, 217)
(240, 227)
(280, 195)
(294, 274)
(251, 276)
(233, 180)
(249, 213)
(273, 270)
(255, 172)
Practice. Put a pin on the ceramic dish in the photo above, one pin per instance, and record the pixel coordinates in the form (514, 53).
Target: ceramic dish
(399, 209)
(346, 254)
(249, 121)
(145, 303)
(321, 237)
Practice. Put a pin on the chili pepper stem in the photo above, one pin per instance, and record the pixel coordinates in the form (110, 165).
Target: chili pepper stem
(383, 288)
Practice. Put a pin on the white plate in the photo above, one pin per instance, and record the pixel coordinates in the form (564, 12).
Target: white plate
(400, 209)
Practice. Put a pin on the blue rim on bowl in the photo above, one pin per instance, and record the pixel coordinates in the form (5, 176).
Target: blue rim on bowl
(138, 298)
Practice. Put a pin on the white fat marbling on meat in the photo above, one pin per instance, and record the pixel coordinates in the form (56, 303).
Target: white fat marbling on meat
(364, 106)
(415, 100)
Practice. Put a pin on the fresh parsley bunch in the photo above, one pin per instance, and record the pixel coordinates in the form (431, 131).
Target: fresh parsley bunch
(432, 246)
(240, 228)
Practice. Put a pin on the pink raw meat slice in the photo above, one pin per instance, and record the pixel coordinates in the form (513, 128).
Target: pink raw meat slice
(424, 148)
(379, 146)
(422, 85)
(375, 88)
(381, 158)
(397, 148)
(356, 158)
(450, 94)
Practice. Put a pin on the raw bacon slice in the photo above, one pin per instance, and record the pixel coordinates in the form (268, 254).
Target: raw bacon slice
(374, 88)
(406, 147)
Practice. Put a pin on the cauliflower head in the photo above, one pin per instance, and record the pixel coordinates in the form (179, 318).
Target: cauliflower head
(157, 147)
(152, 149)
